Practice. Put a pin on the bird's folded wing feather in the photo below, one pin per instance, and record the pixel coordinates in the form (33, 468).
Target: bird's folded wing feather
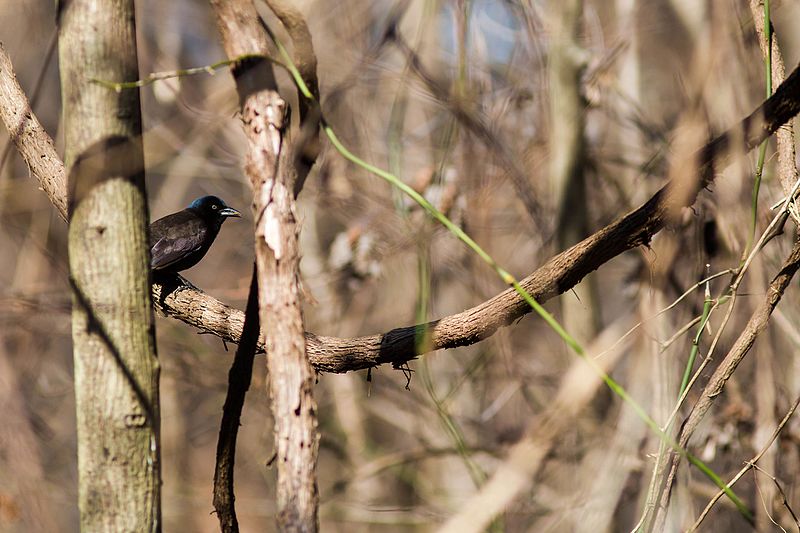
(175, 236)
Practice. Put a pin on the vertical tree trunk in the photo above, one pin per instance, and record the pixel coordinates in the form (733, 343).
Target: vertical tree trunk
(116, 370)
(269, 166)
(291, 378)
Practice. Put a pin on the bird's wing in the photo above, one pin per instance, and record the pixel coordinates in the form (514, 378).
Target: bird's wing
(175, 236)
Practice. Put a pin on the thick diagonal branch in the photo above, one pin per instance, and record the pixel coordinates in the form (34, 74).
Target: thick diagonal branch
(559, 274)
(32, 141)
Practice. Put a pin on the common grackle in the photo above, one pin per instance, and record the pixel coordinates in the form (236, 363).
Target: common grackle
(180, 240)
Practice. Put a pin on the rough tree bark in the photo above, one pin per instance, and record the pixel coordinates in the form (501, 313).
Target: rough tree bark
(269, 166)
(116, 369)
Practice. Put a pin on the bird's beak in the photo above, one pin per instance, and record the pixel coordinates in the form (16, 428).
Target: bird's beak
(230, 212)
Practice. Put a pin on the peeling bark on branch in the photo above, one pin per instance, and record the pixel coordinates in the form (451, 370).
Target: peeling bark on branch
(291, 377)
(270, 169)
(33, 143)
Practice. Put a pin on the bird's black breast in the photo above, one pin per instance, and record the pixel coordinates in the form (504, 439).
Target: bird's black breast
(179, 241)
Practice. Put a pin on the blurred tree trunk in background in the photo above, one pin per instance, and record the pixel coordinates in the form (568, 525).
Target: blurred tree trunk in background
(116, 370)
(567, 158)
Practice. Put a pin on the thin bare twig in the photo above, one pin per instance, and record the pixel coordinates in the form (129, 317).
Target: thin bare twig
(757, 323)
(748, 465)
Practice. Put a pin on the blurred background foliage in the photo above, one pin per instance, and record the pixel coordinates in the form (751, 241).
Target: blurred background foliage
(403, 451)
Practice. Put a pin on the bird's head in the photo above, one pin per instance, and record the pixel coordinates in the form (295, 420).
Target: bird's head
(213, 209)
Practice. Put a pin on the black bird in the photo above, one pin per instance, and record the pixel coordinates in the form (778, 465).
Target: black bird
(180, 240)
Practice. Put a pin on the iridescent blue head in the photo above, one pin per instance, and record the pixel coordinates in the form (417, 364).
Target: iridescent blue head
(213, 208)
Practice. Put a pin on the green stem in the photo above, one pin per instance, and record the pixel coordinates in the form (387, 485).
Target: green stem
(762, 149)
(687, 373)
